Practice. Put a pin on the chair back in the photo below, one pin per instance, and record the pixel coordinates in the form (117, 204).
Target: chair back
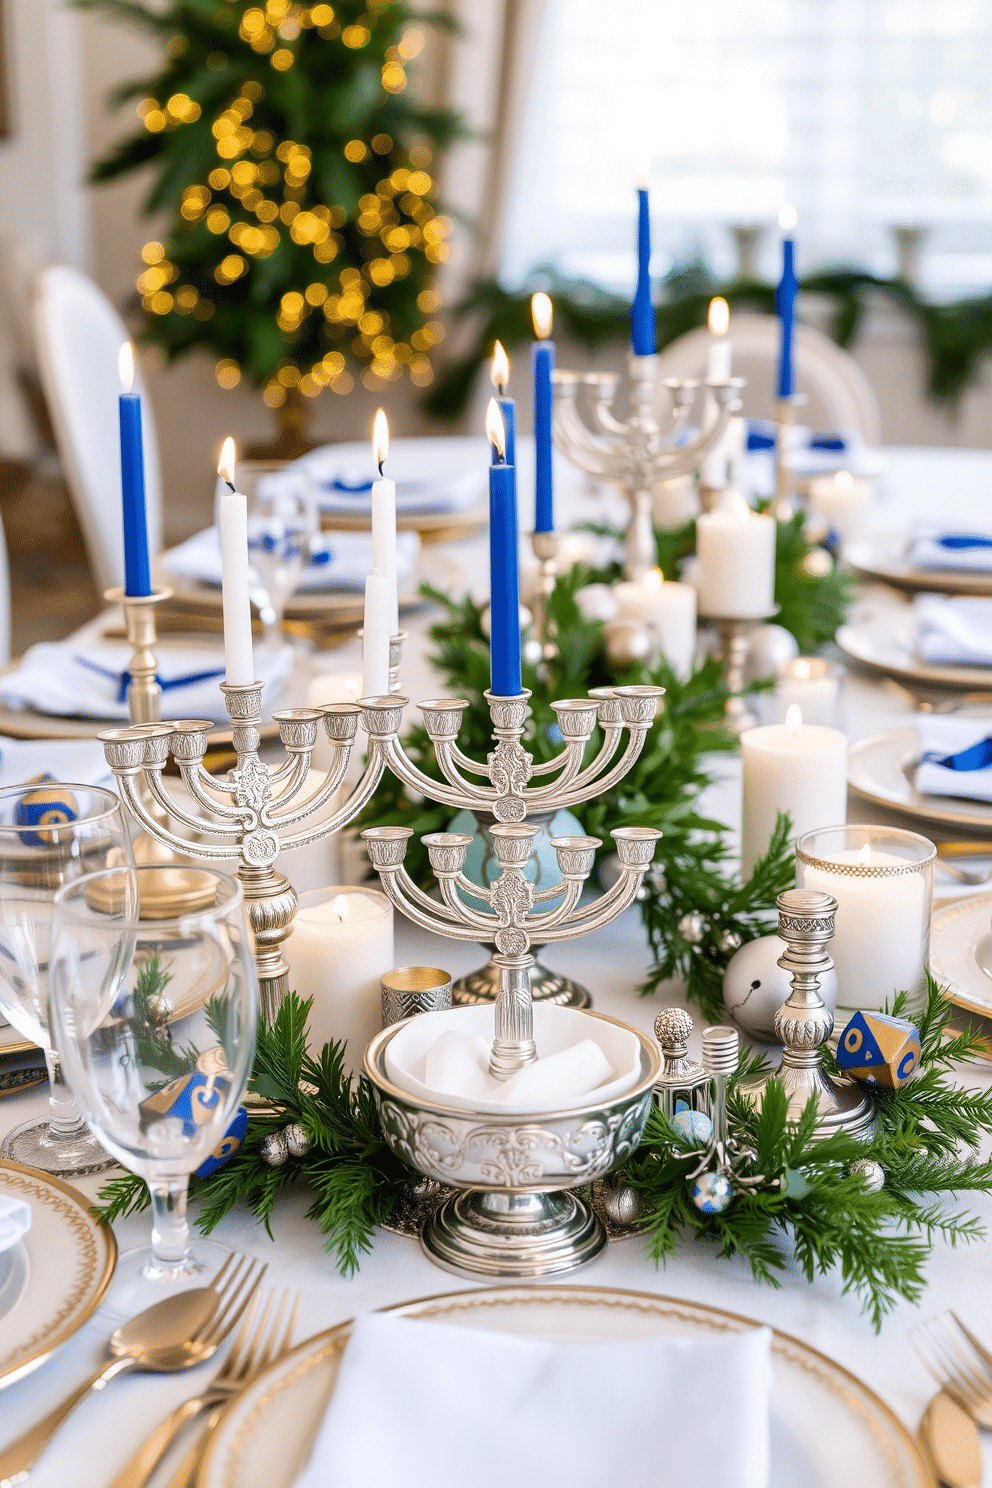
(78, 335)
(838, 392)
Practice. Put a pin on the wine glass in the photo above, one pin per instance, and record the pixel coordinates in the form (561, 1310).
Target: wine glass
(50, 834)
(154, 1020)
(281, 522)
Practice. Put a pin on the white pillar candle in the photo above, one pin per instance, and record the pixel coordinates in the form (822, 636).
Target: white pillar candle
(375, 636)
(384, 519)
(844, 502)
(736, 551)
(233, 518)
(719, 362)
(794, 767)
(813, 684)
(669, 609)
(882, 937)
(342, 943)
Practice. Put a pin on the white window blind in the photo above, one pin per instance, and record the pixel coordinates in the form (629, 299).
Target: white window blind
(864, 113)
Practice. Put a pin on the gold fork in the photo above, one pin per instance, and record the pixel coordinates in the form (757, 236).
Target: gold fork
(176, 1333)
(255, 1345)
(958, 1362)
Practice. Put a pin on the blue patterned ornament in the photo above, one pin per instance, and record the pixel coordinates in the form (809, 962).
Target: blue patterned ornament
(49, 806)
(712, 1193)
(694, 1127)
(193, 1098)
(879, 1050)
(227, 1146)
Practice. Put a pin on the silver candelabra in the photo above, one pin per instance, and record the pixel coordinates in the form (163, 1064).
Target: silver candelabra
(636, 454)
(513, 1215)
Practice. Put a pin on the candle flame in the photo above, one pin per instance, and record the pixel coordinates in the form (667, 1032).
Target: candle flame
(380, 438)
(718, 318)
(125, 366)
(225, 465)
(788, 217)
(499, 372)
(495, 428)
(740, 508)
(844, 480)
(864, 856)
(339, 906)
(794, 718)
(653, 580)
(802, 669)
(542, 313)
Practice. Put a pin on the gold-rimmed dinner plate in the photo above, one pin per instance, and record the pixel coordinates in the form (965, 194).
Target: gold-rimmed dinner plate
(12, 1042)
(56, 1277)
(827, 1427)
(887, 644)
(961, 952)
(886, 556)
(882, 769)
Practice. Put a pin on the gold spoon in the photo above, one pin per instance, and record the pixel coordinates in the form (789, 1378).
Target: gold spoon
(951, 1439)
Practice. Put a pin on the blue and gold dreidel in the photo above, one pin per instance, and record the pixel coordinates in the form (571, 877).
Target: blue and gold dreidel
(50, 805)
(227, 1146)
(879, 1050)
(193, 1098)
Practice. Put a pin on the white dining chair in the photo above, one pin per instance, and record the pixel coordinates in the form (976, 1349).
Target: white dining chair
(78, 335)
(838, 392)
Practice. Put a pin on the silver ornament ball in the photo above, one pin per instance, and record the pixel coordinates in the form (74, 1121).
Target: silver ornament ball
(160, 1009)
(767, 647)
(274, 1149)
(626, 642)
(872, 1172)
(727, 941)
(297, 1141)
(621, 1202)
(817, 563)
(692, 928)
(755, 987)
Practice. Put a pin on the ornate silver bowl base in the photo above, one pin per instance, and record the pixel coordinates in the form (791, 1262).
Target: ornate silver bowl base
(520, 1236)
(545, 985)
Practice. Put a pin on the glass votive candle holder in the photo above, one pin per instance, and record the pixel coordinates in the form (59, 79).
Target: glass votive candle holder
(409, 990)
(814, 684)
(882, 879)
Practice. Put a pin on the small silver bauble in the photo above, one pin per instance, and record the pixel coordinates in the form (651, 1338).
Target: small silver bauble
(818, 563)
(767, 647)
(755, 987)
(712, 1193)
(274, 1149)
(727, 941)
(872, 1172)
(160, 1009)
(297, 1140)
(626, 642)
(621, 1202)
(692, 928)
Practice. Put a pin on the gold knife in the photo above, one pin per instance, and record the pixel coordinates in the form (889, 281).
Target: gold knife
(951, 1439)
(964, 849)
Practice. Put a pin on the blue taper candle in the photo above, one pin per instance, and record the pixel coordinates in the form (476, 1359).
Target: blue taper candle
(643, 335)
(137, 576)
(543, 364)
(499, 376)
(504, 585)
(785, 304)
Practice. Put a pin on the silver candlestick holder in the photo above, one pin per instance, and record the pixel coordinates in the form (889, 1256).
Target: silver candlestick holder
(804, 1023)
(144, 694)
(634, 455)
(513, 1214)
(395, 656)
(545, 546)
(785, 412)
(734, 634)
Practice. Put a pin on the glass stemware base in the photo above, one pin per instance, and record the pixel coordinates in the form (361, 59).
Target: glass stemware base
(63, 1154)
(138, 1281)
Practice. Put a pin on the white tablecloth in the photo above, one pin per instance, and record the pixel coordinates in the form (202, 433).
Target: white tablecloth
(97, 1441)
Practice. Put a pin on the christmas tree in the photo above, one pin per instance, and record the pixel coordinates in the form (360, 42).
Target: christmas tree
(298, 171)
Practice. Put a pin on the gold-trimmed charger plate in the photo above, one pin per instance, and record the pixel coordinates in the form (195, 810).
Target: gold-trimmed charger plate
(887, 644)
(827, 1426)
(885, 556)
(12, 1042)
(881, 768)
(56, 1277)
(961, 952)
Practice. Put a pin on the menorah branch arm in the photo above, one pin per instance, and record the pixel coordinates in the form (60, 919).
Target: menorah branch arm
(272, 814)
(572, 765)
(416, 895)
(464, 763)
(356, 802)
(468, 792)
(537, 924)
(600, 912)
(126, 786)
(324, 793)
(488, 924)
(194, 779)
(404, 769)
(604, 420)
(153, 779)
(277, 776)
(585, 787)
(592, 454)
(427, 920)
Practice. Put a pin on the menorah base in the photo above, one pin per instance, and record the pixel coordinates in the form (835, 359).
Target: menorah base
(546, 986)
(513, 1236)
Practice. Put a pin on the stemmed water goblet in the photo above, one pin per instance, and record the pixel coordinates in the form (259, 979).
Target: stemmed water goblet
(50, 834)
(154, 1019)
(281, 524)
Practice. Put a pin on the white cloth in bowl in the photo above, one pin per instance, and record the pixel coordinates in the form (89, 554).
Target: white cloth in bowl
(428, 1405)
(945, 737)
(15, 1220)
(431, 475)
(88, 681)
(967, 552)
(443, 1058)
(342, 560)
(957, 631)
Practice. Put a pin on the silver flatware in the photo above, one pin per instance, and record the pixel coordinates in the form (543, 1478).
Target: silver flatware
(966, 875)
(171, 1335)
(960, 1364)
(935, 702)
(265, 1334)
(951, 1441)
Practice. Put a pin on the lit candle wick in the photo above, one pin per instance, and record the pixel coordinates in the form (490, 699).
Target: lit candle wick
(225, 465)
(794, 718)
(340, 907)
(499, 372)
(496, 429)
(380, 438)
(718, 318)
(864, 856)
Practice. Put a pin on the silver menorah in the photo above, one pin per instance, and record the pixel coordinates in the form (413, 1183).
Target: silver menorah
(634, 455)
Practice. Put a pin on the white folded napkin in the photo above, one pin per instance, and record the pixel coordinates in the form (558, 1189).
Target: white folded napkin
(431, 475)
(955, 740)
(957, 630)
(968, 552)
(444, 1057)
(79, 760)
(428, 1405)
(87, 681)
(342, 560)
(15, 1220)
